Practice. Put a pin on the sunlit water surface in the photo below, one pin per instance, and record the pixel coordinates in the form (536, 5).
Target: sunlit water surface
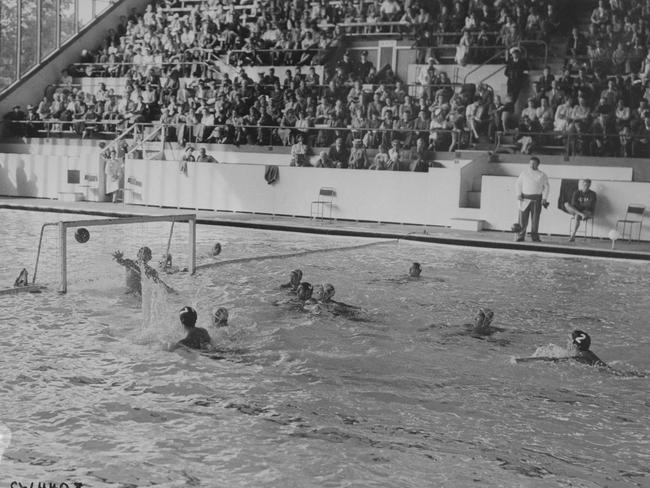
(392, 397)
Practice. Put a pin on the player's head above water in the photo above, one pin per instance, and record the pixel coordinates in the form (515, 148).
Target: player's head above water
(188, 316)
(295, 277)
(415, 270)
(580, 340)
(483, 317)
(144, 254)
(318, 292)
(220, 317)
(304, 291)
(328, 291)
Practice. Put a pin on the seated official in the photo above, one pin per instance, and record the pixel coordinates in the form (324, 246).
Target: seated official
(582, 205)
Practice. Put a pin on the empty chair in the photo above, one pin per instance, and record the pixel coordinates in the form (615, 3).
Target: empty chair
(324, 203)
(633, 216)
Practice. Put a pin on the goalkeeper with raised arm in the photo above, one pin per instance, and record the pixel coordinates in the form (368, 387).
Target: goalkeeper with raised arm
(134, 273)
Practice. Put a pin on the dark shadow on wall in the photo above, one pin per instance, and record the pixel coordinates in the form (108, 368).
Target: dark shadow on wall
(7, 187)
(25, 187)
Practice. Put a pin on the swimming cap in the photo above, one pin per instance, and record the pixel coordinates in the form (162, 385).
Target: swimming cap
(304, 291)
(318, 292)
(581, 340)
(328, 291)
(188, 316)
(216, 249)
(144, 254)
(220, 316)
(415, 270)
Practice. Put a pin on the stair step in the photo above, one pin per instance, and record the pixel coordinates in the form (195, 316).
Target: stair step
(71, 196)
(459, 223)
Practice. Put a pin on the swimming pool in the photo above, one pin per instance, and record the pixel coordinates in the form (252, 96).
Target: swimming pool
(393, 398)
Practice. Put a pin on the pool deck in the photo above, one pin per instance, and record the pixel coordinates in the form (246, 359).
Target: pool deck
(440, 235)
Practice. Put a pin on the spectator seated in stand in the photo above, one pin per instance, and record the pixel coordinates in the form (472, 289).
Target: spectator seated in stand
(204, 157)
(300, 152)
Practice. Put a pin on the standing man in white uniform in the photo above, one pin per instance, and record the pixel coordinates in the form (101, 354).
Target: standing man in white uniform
(532, 192)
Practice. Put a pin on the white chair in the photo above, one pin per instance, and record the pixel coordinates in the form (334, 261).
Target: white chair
(323, 203)
(633, 216)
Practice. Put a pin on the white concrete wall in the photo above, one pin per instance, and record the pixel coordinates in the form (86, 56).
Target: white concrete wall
(499, 205)
(54, 147)
(223, 154)
(615, 173)
(425, 198)
(45, 176)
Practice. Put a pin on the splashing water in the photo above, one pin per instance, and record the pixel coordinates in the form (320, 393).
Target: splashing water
(552, 351)
(159, 315)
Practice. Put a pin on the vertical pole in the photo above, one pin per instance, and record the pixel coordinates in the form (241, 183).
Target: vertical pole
(19, 35)
(58, 24)
(38, 31)
(63, 286)
(192, 244)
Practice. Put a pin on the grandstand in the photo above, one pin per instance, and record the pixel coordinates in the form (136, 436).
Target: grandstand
(462, 91)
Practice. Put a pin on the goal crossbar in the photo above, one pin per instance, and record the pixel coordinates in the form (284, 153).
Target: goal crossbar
(65, 225)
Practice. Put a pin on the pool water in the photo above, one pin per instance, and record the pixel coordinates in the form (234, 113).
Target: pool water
(393, 396)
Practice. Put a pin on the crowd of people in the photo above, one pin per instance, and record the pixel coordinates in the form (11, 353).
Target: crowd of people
(597, 106)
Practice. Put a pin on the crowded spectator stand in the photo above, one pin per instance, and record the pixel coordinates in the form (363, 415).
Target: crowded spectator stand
(206, 72)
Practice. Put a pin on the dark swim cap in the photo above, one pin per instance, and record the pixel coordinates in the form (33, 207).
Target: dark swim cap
(415, 270)
(581, 340)
(144, 254)
(188, 316)
(304, 291)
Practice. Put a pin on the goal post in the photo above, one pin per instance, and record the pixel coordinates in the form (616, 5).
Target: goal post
(63, 227)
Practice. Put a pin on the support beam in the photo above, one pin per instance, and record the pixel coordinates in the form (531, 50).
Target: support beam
(63, 285)
(192, 244)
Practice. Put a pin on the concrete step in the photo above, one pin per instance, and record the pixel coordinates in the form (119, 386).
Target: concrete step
(71, 196)
(475, 225)
(469, 213)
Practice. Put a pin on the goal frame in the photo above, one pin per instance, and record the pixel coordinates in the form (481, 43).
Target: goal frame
(63, 227)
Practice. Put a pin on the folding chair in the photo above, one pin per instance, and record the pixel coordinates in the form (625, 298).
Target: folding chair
(633, 216)
(325, 201)
(587, 226)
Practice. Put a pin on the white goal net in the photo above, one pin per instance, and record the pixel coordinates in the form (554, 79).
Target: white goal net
(91, 253)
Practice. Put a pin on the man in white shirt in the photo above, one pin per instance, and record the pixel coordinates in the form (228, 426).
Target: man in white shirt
(532, 192)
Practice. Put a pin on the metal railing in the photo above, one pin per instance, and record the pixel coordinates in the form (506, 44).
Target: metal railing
(274, 57)
(569, 143)
(115, 70)
(576, 143)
